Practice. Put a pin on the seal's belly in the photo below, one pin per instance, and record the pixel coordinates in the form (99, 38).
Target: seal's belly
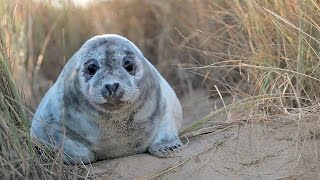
(121, 139)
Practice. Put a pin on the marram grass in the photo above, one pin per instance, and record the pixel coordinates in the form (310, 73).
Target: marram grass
(20, 157)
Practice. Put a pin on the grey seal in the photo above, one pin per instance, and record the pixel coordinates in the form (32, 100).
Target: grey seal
(109, 101)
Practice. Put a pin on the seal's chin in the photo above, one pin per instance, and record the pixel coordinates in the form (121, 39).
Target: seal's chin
(114, 104)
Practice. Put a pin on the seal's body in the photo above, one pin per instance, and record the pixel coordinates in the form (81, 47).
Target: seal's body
(108, 102)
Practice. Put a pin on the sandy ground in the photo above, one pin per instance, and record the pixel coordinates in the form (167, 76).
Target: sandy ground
(281, 148)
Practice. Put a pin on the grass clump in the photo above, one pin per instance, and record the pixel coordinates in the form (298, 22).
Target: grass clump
(20, 158)
(269, 50)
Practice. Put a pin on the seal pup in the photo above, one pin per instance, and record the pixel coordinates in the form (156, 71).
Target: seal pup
(109, 101)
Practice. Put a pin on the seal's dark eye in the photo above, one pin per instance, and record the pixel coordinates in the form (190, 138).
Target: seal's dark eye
(129, 67)
(92, 69)
(91, 66)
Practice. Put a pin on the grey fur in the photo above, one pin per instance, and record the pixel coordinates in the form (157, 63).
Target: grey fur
(144, 114)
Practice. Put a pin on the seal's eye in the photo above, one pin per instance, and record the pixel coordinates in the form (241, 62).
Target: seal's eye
(129, 67)
(91, 67)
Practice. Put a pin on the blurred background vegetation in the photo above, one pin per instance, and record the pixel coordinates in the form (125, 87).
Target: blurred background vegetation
(233, 47)
(240, 48)
(259, 52)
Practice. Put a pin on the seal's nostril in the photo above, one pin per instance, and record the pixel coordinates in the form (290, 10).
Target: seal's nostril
(116, 85)
(112, 88)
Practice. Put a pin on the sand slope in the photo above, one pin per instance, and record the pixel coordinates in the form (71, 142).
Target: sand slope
(281, 148)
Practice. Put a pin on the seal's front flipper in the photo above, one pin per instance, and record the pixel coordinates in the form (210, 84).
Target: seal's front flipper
(76, 152)
(166, 141)
(165, 147)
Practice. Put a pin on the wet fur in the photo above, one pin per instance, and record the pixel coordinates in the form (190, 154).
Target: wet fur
(75, 117)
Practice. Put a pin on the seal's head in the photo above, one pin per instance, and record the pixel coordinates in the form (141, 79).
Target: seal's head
(111, 71)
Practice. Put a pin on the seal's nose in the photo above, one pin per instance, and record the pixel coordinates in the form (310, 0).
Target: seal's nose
(112, 88)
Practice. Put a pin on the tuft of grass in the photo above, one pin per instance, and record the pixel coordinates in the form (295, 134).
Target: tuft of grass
(273, 46)
(20, 157)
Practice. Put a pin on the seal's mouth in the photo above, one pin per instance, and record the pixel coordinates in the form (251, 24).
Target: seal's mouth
(112, 97)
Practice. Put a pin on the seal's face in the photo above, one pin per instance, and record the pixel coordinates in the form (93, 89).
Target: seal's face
(111, 69)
